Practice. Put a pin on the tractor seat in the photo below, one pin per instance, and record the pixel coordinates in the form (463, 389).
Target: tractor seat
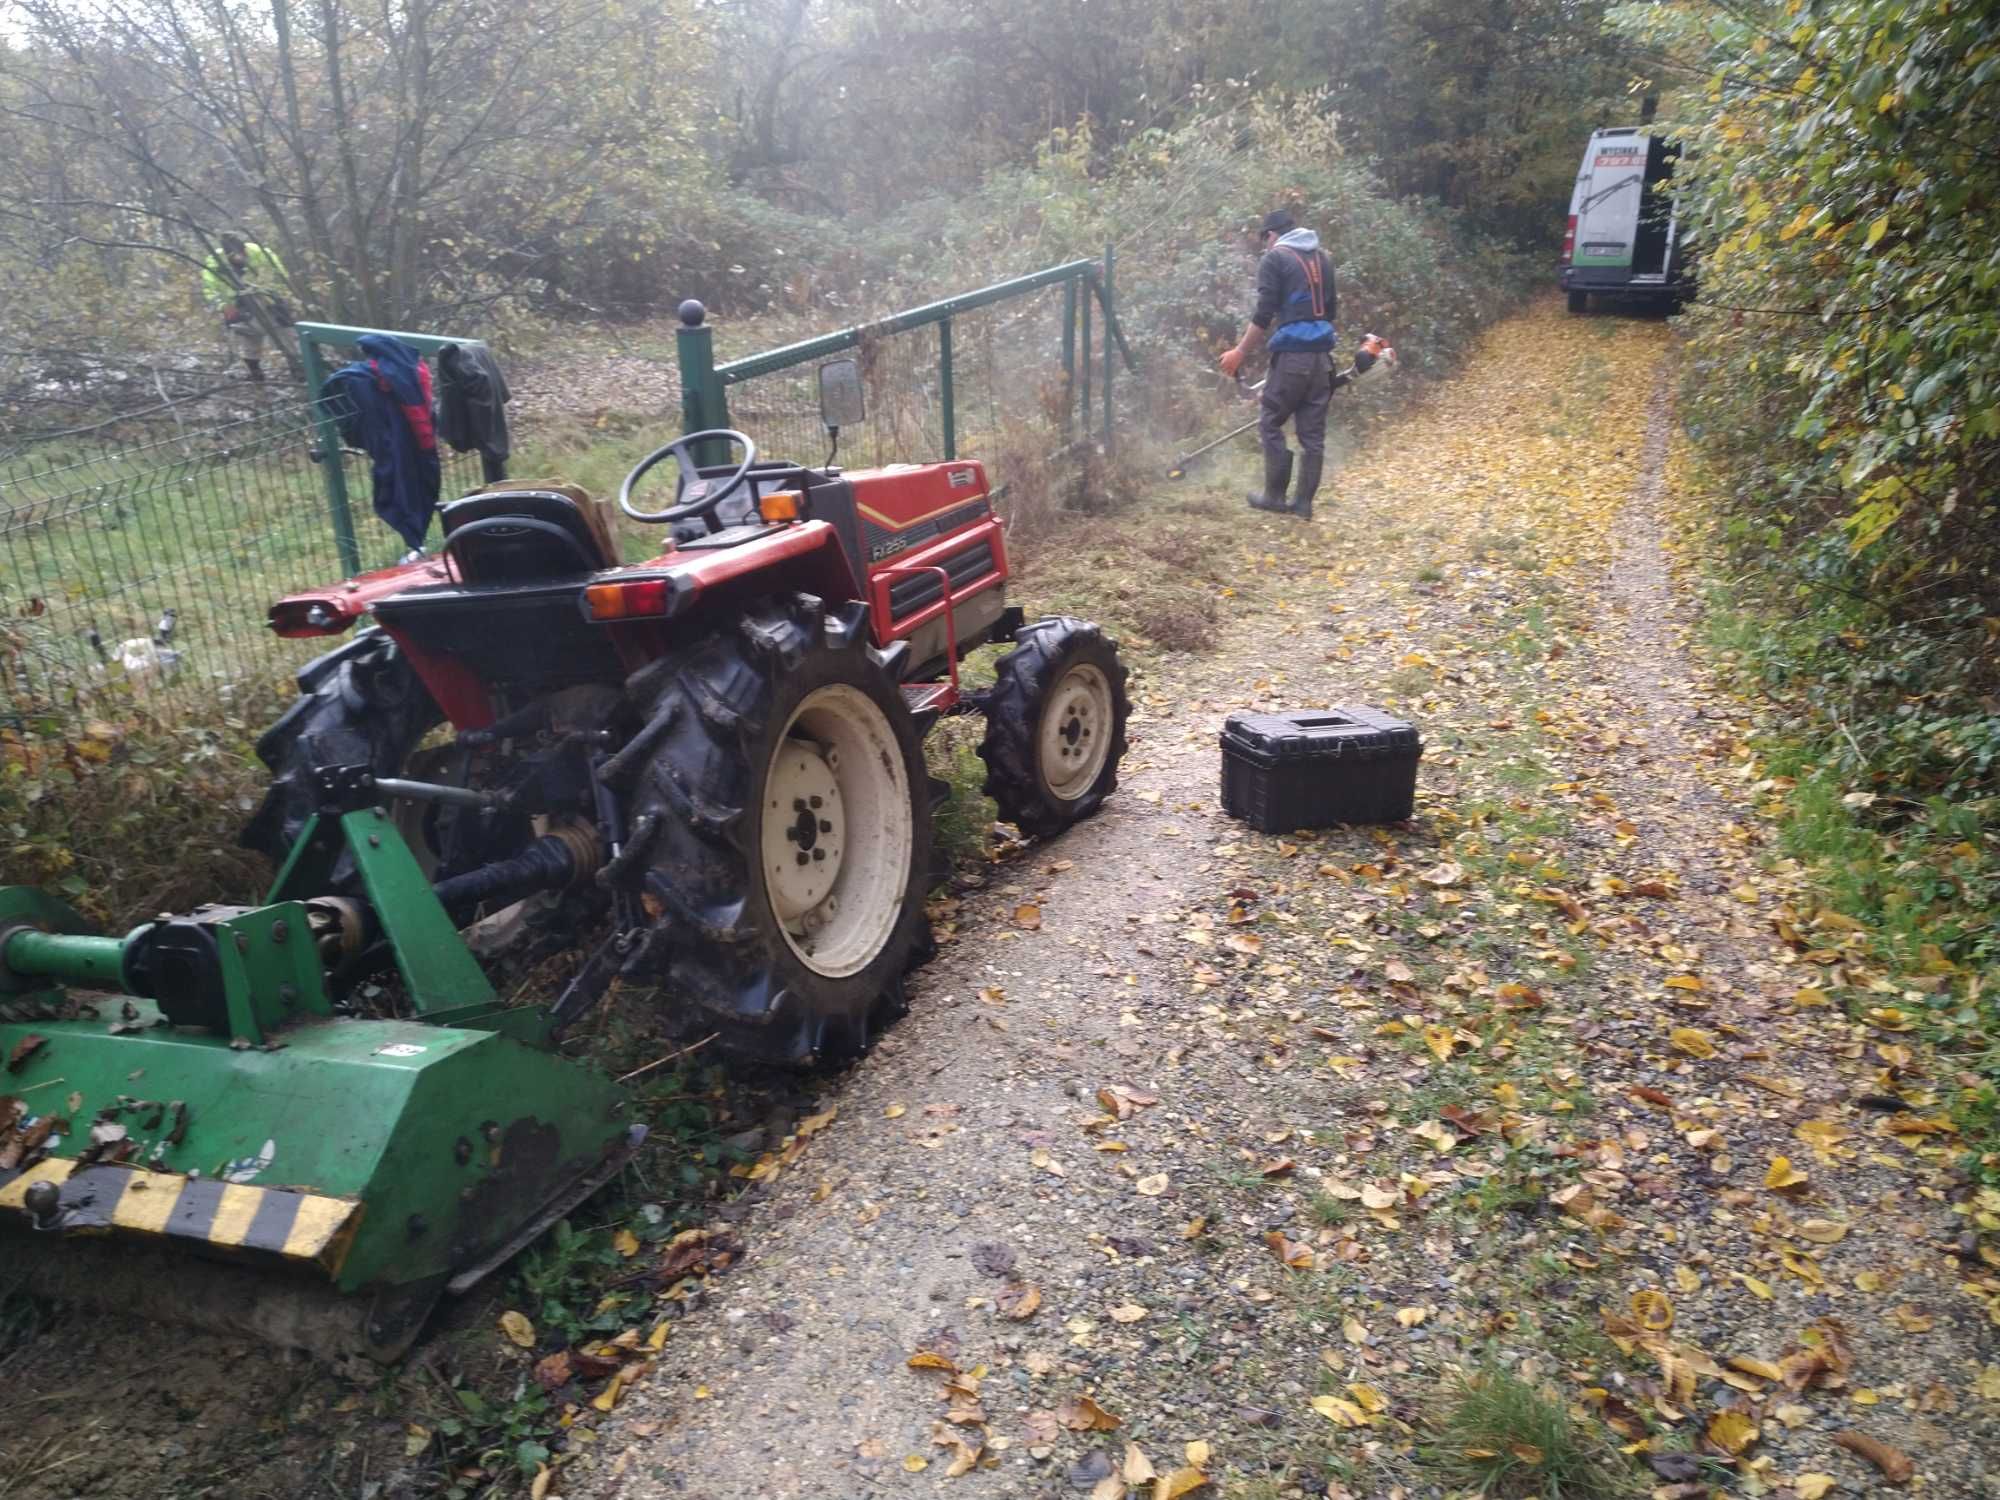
(501, 535)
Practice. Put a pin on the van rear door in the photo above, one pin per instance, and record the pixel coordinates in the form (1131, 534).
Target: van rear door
(1610, 191)
(1653, 248)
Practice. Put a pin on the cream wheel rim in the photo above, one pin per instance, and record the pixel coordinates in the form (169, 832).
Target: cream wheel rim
(837, 831)
(1075, 738)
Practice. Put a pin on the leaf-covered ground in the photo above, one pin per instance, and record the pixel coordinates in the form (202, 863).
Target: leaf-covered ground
(1556, 1123)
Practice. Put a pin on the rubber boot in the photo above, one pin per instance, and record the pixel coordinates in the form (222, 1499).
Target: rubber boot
(256, 368)
(1277, 475)
(1302, 498)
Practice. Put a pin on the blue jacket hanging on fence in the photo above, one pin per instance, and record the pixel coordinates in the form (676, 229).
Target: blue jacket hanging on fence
(383, 402)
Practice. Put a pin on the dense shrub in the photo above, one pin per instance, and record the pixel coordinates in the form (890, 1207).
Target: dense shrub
(1845, 375)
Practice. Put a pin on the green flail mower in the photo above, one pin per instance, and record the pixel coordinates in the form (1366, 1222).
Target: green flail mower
(188, 1128)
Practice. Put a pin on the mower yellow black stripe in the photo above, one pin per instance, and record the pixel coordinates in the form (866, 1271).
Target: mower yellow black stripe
(302, 1228)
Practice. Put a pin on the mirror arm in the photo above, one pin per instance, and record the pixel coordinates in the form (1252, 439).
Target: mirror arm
(833, 446)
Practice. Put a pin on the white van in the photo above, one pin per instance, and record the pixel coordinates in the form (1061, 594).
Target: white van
(1622, 242)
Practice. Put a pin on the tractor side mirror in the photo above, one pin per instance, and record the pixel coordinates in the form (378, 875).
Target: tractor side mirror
(840, 399)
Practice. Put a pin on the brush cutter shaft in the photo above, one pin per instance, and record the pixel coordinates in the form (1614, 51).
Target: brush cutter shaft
(1217, 443)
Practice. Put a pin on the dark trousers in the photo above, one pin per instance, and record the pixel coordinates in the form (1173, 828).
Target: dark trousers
(1299, 387)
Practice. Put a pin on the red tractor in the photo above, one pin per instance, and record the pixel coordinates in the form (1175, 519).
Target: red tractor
(713, 757)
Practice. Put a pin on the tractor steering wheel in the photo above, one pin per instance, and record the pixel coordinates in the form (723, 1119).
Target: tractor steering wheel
(707, 494)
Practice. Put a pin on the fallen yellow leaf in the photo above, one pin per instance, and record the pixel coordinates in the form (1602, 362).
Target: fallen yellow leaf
(1441, 1040)
(1732, 1431)
(1340, 1413)
(1370, 1399)
(1653, 1310)
(1783, 1175)
(518, 1329)
(1082, 1414)
(1763, 1369)
(1137, 1468)
(1693, 1042)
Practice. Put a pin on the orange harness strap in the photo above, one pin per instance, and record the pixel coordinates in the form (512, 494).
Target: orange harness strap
(1314, 283)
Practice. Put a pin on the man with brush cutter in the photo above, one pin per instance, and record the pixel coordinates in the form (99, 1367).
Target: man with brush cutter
(1295, 292)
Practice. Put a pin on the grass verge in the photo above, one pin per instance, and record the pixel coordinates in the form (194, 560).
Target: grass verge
(1498, 1434)
(1906, 879)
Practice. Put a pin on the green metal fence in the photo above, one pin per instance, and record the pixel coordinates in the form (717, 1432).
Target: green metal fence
(140, 577)
(965, 377)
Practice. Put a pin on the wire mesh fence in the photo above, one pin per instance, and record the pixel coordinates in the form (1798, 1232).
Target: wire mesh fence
(142, 575)
(1006, 382)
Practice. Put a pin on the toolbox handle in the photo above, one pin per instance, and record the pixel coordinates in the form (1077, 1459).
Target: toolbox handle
(1321, 721)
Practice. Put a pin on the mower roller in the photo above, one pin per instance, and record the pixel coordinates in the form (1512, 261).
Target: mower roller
(701, 773)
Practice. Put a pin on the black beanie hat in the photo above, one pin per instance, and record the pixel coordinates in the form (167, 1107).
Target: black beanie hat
(1279, 221)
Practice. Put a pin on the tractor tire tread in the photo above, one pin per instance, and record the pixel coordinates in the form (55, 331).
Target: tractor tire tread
(708, 952)
(1021, 680)
(363, 703)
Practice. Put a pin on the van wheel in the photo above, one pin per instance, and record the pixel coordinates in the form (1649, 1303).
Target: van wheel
(1579, 302)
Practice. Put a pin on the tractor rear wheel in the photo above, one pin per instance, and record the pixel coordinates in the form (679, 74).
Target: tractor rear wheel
(788, 813)
(1055, 725)
(362, 704)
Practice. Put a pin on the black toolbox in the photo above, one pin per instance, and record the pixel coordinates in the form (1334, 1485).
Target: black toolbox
(1316, 768)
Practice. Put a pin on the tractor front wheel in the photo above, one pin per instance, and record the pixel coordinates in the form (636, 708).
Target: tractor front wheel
(1055, 725)
(788, 811)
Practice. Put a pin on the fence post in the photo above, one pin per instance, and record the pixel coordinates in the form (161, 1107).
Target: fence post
(1083, 355)
(327, 432)
(1069, 356)
(703, 403)
(945, 389)
(1110, 322)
